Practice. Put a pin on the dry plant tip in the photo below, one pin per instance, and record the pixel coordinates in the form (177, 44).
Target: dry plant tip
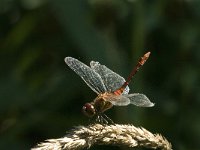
(120, 135)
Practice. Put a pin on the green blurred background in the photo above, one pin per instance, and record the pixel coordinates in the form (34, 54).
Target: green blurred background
(41, 98)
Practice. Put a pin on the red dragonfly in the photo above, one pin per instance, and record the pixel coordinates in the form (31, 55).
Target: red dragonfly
(111, 88)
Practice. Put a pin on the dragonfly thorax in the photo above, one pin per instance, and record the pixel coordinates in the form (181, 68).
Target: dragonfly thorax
(101, 104)
(98, 106)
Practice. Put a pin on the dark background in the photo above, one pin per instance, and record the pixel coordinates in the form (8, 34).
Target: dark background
(41, 98)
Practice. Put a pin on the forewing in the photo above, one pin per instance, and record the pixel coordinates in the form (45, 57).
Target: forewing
(111, 80)
(91, 78)
(139, 100)
(118, 100)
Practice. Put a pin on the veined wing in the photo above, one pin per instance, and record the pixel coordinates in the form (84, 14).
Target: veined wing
(111, 80)
(139, 100)
(91, 78)
(118, 100)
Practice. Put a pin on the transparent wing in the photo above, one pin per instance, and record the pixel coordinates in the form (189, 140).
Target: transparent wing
(111, 80)
(91, 78)
(118, 100)
(139, 100)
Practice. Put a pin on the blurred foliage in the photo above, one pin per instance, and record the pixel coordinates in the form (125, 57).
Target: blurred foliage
(41, 97)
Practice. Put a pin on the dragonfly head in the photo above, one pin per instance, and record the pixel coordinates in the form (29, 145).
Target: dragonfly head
(89, 110)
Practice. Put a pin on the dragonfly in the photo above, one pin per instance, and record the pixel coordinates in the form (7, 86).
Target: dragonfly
(111, 88)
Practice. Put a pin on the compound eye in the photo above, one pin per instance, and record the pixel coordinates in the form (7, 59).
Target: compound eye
(89, 110)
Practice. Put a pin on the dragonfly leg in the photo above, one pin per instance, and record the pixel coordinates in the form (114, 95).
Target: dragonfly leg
(103, 120)
(98, 119)
(108, 119)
